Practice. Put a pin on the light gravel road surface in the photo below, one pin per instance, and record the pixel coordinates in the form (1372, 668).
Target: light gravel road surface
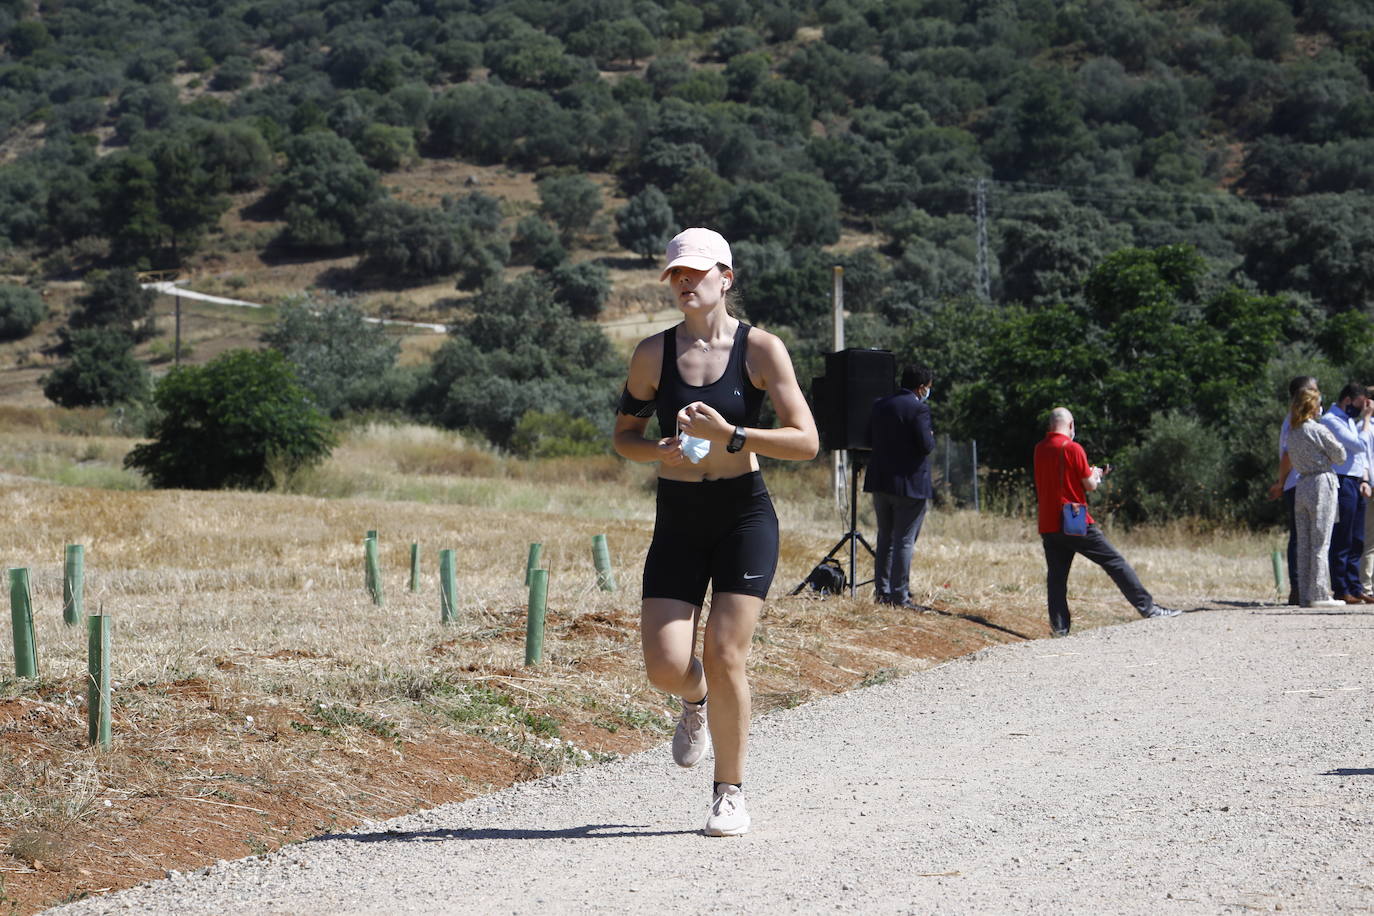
(1220, 762)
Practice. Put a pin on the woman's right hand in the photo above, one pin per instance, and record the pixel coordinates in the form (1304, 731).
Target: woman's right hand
(670, 452)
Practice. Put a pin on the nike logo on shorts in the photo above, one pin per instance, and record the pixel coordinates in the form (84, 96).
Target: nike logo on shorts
(759, 576)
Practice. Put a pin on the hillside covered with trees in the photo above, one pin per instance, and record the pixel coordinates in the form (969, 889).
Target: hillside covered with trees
(1148, 210)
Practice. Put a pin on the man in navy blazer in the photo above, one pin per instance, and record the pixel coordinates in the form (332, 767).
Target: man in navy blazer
(898, 476)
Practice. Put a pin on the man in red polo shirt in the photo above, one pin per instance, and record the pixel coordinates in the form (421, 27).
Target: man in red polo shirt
(1062, 475)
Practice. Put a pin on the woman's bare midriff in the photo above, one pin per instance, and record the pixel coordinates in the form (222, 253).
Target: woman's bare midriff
(714, 466)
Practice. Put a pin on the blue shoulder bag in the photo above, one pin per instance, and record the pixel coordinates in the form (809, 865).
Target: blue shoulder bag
(1073, 516)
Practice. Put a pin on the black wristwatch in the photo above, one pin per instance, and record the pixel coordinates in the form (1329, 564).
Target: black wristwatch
(736, 441)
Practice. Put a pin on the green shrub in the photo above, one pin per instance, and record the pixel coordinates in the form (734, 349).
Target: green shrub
(21, 309)
(339, 357)
(238, 421)
(556, 435)
(1178, 470)
(101, 371)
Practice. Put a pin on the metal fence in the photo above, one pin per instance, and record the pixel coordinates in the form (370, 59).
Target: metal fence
(960, 483)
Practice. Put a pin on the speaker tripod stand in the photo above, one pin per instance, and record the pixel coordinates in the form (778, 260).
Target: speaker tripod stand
(852, 537)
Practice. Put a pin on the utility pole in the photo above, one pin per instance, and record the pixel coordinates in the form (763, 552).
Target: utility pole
(980, 208)
(840, 457)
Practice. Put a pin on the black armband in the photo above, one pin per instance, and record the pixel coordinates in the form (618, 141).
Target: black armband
(629, 404)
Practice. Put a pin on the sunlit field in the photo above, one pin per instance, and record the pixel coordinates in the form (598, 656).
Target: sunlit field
(259, 692)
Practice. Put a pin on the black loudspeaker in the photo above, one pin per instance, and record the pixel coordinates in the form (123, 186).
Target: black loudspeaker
(842, 399)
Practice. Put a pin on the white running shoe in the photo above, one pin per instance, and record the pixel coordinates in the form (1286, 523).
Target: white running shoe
(729, 816)
(691, 738)
(1326, 602)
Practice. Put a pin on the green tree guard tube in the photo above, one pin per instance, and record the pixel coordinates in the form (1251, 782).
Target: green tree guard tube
(74, 585)
(531, 564)
(21, 614)
(448, 588)
(601, 556)
(534, 629)
(98, 680)
(374, 571)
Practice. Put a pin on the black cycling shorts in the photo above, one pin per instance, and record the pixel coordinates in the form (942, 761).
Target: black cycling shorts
(718, 532)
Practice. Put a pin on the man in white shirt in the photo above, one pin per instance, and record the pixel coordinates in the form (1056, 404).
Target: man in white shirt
(1345, 420)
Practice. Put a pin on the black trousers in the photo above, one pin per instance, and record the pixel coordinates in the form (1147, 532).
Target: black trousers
(1059, 553)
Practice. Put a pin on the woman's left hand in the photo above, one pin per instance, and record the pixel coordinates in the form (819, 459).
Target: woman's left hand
(705, 422)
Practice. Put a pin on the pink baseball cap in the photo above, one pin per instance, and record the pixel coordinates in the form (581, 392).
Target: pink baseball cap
(697, 248)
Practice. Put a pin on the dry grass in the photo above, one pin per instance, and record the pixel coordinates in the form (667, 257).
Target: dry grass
(260, 697)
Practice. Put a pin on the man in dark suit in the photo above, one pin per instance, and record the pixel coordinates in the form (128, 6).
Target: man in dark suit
(898, 476)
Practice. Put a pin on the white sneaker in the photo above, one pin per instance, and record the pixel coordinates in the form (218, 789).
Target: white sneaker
(691, 738)
(1326, 602)
(729, 816)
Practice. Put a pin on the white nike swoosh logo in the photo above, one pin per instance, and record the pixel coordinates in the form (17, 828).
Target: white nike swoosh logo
(759, 576)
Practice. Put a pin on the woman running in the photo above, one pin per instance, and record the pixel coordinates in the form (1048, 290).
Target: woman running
(715, 524)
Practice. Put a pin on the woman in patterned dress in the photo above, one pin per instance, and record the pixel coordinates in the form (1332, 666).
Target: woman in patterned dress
(1313, 450)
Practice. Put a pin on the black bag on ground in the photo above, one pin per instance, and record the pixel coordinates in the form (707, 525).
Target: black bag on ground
(827, 578)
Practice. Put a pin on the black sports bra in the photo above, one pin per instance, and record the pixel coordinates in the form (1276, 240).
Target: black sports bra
(738, 401)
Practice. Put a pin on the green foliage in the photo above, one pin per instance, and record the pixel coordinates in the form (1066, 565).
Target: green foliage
(385, 147)
(535, 242)
(608, 41)
(646, 223)
(1153, 338)
(1265, 25)
(1326, 100)
(699, 199)
(401, 240)
(1039, 132)
(1047, 256)
(27, 37)
(817, 206)
(1322, 245)
(115, 300)
(325, 191)
(758, 213)
(237, 421)
(101, 371)
(583, 287)
(238, 153)
(556, 435)
(234, 74)
(745, 72)
(20, 311)
(521, 350)
(155, 208)
(341, 359)
(1346, 337)
(1099, 125)
(570, 201)
(1178, 470)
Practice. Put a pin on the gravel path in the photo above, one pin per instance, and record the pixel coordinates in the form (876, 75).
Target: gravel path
(1218, 762)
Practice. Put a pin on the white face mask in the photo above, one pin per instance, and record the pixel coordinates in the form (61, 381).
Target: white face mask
(695, 449)
(924, 397)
